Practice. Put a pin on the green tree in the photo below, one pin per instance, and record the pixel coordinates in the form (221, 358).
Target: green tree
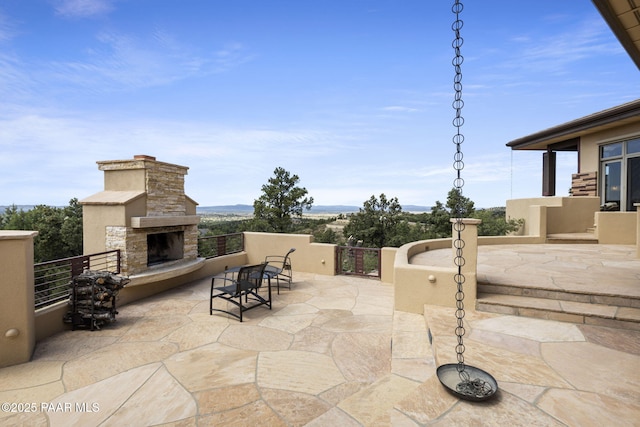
(59, 229)
(280, 202)
(325, 235)
(457, 204)
(71, 229)
(495, 223)
(437, 223)
(14, 219)
(375, 223)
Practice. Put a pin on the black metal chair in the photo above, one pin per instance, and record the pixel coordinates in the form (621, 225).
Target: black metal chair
(279, 266)
(246, 284)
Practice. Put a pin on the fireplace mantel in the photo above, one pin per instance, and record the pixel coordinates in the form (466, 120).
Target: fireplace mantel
(163, 221)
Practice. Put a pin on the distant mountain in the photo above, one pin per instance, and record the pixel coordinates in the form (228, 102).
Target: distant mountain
(416, 208)
(248, 209)
(323, 209)
(20, 208)
(333, 209)
(238, 209)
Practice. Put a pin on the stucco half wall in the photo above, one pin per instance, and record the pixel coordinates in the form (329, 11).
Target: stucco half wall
(17, 326)
(310, 257)
(551, 215)
(416, 285)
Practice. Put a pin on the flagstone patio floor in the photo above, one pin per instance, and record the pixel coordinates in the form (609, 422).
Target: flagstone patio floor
(331, 352)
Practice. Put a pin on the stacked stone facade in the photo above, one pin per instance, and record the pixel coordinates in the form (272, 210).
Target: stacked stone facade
(584, 184)
(165, 190)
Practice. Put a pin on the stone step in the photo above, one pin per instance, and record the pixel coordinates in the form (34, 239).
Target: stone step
(572, 238)
(560, 310)
(605, 298)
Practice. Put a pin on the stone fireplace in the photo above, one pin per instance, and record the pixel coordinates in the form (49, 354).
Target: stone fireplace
(144, 212)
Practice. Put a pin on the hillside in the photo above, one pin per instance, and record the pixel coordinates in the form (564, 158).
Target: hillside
(325, 209)
(248, 209)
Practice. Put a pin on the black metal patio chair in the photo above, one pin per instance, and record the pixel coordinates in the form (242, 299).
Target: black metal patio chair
(245, 285)
(279, 266)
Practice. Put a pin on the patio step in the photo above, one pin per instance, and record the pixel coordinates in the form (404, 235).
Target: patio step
(602, 298)
(572, 238)
(565, 310)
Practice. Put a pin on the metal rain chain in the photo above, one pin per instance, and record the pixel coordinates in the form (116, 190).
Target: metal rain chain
(464, 381)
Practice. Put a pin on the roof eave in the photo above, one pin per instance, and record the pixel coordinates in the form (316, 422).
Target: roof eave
(587, 124)
(612, 19)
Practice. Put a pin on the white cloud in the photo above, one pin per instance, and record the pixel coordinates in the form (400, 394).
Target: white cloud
(588, 39)
(231, 56)
(401, 109)
(82, 8)
(7, 30)
(15, 83)
(222, 160)
(121, 61)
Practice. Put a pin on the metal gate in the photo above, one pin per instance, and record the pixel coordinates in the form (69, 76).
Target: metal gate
(352, 260)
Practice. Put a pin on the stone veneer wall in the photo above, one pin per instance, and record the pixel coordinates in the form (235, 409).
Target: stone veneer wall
(191, 234)
(584, 184)
(165, 189)
(132, 243)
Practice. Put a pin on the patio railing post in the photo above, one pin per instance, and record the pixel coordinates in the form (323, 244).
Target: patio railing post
(221, 242)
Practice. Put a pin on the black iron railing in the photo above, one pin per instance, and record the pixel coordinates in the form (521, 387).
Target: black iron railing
(358, 261)
(52, 277)
(224, 244)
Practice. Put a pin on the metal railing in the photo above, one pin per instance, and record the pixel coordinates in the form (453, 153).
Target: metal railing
(224, 244)
(358, 261)
(52, 277)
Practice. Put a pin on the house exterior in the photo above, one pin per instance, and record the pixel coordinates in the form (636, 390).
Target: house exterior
(605, 190)
(608, 147)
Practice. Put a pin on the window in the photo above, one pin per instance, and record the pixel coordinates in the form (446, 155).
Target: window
(620, 171)
(611, 150)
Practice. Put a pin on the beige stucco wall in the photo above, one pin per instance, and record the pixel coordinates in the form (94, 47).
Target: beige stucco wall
(387, 260)
(190, 206)
(17, 320)
(310, 257)
(417, 285)
(563, 214)
(616, 228)
(97, 217)
(522, 209)
(125, 180)
(576, 215)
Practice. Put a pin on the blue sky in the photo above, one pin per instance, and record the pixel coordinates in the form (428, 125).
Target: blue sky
(354, 96)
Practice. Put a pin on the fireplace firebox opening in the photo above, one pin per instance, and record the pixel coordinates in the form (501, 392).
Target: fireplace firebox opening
(164, 247)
